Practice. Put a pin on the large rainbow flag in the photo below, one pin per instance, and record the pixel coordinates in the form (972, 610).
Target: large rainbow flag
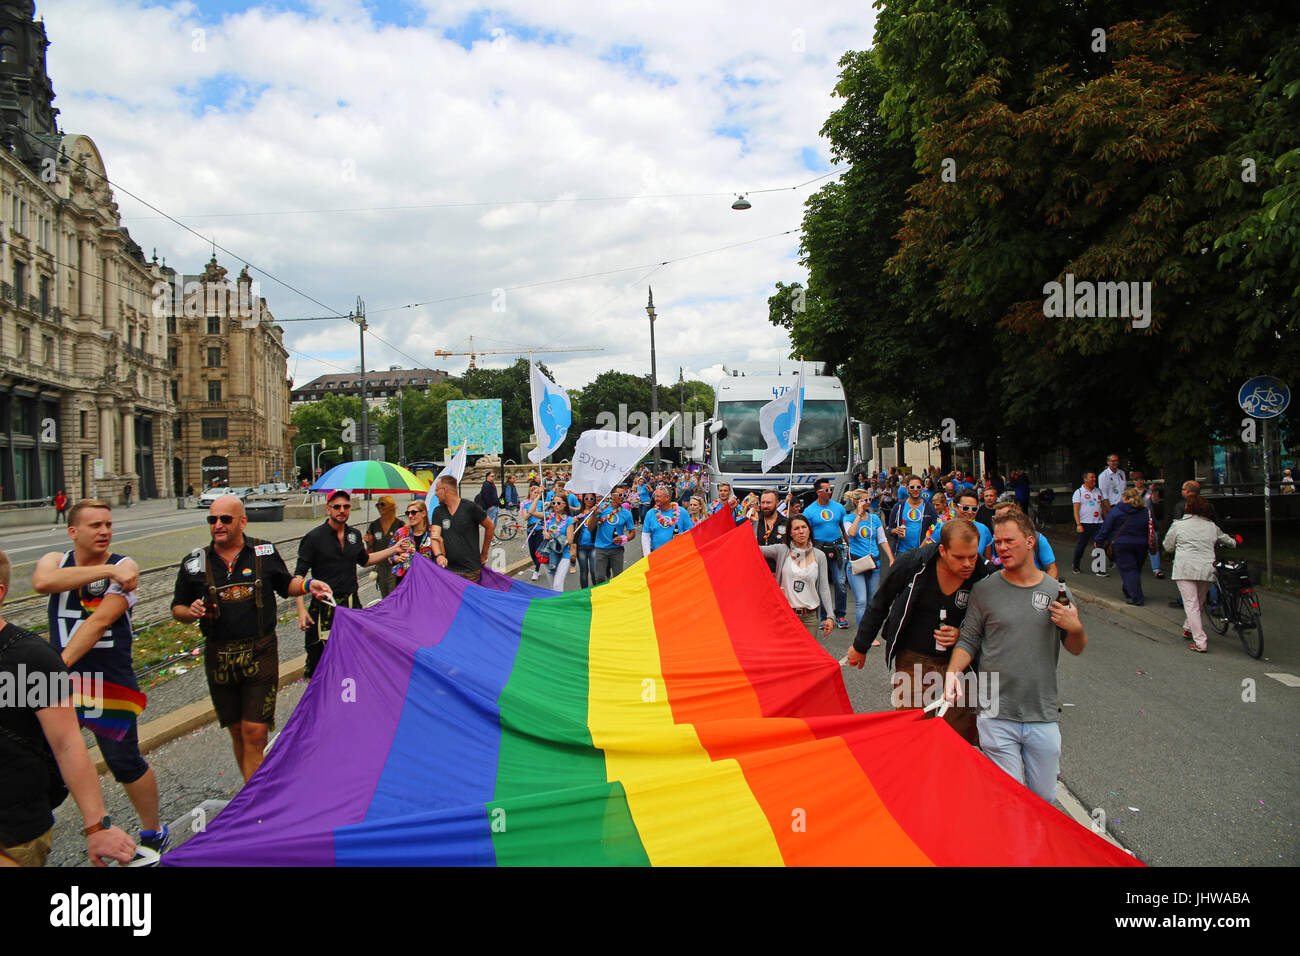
(679, 715)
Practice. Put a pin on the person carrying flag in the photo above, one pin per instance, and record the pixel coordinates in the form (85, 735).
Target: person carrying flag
(92, 591)
(612, 525)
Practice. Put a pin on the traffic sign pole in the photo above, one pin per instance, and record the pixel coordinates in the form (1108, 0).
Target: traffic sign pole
(1268, 513)
(1265, 397)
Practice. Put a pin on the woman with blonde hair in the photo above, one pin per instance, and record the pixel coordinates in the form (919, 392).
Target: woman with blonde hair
(417, 531)
(695, 507)
(1127, 527)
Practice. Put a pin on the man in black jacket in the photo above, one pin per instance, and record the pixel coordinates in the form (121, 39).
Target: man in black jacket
(919, 639)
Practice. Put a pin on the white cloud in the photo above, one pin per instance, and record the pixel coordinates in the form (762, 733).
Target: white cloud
(280, 111)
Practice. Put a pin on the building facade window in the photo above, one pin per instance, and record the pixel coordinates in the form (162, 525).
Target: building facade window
(47, 351)
(214, 391)
(214, 325)
(23, 343)
(171, 325)
(214, 428)
(176, 391)
(83, 425)
(178, 431)
(214, 357)
(173, 356)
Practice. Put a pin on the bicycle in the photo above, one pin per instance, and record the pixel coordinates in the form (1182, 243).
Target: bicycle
(1238, 605)
(507, 526)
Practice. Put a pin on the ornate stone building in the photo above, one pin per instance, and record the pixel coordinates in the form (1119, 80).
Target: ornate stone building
(112, 372)
(229, 382)
(83, 370)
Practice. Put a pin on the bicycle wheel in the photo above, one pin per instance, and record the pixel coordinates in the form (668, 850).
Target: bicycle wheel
(1216, 614)
(1250, 629)
(507, 530)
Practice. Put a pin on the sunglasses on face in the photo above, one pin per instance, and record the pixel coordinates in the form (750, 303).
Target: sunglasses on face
(342, 507)
(224, 519)
(413, 512)
(968, 508)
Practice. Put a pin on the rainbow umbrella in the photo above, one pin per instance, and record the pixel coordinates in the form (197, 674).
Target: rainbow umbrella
(379, 477)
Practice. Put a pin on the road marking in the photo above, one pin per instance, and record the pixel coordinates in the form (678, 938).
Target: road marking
(1289, 679)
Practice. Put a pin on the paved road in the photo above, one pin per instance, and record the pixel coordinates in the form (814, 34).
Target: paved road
(1189, 767)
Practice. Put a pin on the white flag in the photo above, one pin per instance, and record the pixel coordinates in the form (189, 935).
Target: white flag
(778, 421)
(602, 458)
(552, 415)
(455, 468)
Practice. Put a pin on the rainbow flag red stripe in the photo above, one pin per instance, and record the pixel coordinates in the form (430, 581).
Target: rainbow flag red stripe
(105, 708)
(679, 715)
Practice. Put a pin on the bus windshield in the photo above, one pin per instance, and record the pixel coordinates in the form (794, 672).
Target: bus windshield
(823, 438)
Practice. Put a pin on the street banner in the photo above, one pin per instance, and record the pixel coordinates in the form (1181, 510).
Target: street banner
(602, 458)
(552, 414)
(778, 422)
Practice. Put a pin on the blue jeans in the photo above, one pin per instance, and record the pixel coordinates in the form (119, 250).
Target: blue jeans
(1030, 752)
(586, 565)
(864, 589)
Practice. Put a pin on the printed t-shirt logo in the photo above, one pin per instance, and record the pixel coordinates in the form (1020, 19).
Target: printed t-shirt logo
(446, 523)
(247, 572)
(913, 514)
(961, 598)
(1041, 601)
(97, 588)
(826, 514)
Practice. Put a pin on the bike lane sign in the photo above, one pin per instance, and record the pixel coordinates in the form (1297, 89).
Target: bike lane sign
(1264, 397)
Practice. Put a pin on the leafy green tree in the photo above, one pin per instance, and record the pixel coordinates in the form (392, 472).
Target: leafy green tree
(323, 421)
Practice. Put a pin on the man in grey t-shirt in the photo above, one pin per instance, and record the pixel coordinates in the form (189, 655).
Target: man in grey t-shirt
(1016, 626)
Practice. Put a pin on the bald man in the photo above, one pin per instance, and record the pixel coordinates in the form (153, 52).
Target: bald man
(229, 587)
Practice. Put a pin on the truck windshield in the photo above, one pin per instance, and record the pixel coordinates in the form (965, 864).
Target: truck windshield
(823, 438)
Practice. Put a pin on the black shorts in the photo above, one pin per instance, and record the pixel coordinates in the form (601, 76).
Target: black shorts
(243, 677)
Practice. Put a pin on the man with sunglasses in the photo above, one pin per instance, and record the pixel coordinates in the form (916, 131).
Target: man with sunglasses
(229, 588)
(333, 552)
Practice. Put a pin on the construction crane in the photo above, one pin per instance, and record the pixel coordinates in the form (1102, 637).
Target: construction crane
(474, 353)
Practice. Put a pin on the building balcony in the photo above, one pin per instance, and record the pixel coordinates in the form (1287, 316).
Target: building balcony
(6, 293)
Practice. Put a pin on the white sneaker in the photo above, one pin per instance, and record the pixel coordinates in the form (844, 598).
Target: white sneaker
(534, 575)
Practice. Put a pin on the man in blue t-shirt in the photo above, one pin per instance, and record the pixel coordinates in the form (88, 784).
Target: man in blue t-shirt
(911, 518)
(612, 525)
(663, 522)
(644, 494)
(826, 519)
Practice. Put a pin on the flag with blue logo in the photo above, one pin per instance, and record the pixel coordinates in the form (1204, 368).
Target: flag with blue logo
(778, 421)
(455, 468)
(552, 414)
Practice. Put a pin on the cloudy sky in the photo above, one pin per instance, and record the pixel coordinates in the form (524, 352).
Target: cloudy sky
(515, 172)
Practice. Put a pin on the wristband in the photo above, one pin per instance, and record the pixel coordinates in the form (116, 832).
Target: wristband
(306, 584)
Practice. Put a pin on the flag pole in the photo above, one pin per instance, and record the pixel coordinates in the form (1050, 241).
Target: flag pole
(789, 485)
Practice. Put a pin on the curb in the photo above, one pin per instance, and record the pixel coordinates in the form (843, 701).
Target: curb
(165, 729)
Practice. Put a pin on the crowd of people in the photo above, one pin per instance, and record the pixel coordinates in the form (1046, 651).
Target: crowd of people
(951, 573)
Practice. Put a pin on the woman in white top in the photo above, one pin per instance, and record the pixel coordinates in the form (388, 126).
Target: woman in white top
(1192, 539)
(801, 573)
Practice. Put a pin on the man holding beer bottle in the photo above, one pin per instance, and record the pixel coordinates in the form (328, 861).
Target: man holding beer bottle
(1016, 624)
(229, 587)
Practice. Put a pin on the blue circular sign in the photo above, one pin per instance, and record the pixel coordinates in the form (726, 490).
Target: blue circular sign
(1264, 397)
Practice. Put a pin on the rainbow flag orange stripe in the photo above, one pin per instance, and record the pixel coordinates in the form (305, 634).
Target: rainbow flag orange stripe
(679, 715)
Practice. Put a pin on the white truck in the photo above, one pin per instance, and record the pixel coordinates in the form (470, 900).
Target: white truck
(830, 441)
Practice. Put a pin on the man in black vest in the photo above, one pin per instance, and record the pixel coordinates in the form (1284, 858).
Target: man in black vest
(230, 588)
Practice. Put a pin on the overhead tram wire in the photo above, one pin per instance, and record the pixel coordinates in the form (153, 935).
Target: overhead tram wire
(479, 203)
(206, 239)
(588, 275)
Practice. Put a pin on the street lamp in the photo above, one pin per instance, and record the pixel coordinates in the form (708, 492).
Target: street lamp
(654, 381)
(741, 202)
